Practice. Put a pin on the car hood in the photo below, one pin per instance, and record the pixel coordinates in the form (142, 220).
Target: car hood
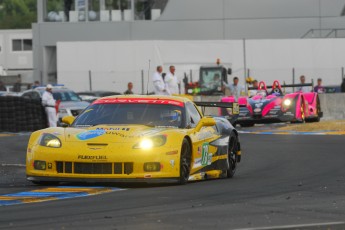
(73, 104)
(112, 134)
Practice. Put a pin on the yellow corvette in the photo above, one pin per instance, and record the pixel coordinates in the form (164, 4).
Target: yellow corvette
(135, 139)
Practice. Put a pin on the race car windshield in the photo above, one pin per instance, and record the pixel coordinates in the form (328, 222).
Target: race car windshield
(144, 114)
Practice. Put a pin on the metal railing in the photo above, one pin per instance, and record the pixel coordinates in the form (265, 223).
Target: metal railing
(324, 33)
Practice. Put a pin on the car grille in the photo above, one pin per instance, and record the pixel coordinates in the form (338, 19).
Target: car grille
(76, 112)
(94, 168)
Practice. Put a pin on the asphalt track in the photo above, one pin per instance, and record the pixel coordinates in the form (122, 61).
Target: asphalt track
(283, 182)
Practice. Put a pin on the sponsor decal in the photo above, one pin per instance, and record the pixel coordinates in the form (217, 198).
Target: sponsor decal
(199, 150)
(90, 134)
(87, 157)
(289, 114)
(139, 101)
(236, 108)
(204, 155)
(258, 105)
(172, 163)
(197, 163)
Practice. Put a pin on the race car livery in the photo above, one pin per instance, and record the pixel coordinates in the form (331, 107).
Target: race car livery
(132, 138)
(275, 106)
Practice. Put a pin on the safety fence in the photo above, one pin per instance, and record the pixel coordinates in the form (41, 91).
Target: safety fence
(19, 114)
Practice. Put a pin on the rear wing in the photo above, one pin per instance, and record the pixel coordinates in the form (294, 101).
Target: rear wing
(228, 105)
(286, 86)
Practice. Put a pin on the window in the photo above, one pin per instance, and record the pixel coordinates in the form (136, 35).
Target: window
(193, 115)
(27, 44)
(21, 44)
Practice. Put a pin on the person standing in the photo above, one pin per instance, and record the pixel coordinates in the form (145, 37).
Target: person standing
(342, 86)
(67, 8)
(319, 88)
(49, 103)
(254, 89)
(129, 88)
(2, 86)
(303, 89)
(236, 90)
(36, 84)
(171, 81)
(158, 82)
(17, 87)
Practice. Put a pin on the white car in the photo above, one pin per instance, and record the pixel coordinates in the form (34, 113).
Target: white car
(71, 104)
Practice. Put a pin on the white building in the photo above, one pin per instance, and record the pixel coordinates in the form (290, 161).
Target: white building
(16, 56)
(115, 44)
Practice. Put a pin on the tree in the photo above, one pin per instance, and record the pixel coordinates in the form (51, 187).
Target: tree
(17, 14)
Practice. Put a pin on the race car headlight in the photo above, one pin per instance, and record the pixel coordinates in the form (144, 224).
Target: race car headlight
(287, 102)
(149, 143)
(49, 140)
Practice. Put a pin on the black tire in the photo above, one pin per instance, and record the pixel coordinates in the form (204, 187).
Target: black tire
(232, 157)
(185, 162)
(302, 120)
(318, 111)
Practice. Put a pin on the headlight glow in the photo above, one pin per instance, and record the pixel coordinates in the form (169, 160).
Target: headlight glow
(287, 102)
(49, 140)
(151, 142)
(146, 144)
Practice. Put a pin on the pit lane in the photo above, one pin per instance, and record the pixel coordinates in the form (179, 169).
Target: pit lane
(283, 181)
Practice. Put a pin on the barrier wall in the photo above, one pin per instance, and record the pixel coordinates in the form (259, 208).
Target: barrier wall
(19, 114)
(333, 106)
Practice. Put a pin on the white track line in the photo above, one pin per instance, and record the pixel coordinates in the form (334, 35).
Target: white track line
(11, 165)
(293, 226)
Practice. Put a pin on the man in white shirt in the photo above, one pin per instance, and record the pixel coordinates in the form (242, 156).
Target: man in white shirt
(172, 82)
(49, 102)
(158, 82)
(303, 89)
(236, 90)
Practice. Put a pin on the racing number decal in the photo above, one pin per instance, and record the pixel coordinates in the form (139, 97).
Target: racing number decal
(235, 108)
(204, 157)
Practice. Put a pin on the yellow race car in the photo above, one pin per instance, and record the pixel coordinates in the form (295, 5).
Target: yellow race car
(134, 138)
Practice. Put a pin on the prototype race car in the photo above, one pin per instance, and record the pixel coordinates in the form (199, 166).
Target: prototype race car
(133, 138)
(275, 106)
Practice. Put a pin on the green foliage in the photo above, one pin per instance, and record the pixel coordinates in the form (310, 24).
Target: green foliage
(17, 14)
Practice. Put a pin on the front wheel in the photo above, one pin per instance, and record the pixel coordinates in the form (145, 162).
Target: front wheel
(300, 119)
(185, 161)
(232, 157)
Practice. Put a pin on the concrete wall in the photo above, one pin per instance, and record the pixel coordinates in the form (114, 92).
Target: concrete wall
(333, 106)
(113, 64)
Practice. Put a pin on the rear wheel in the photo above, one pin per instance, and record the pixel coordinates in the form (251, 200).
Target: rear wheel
(318, 111)
(185, 160)
(232, 158)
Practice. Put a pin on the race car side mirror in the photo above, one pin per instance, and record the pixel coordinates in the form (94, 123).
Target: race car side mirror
(205, 121)
(68, 120)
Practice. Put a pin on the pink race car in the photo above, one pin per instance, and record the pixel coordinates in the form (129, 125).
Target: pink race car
(275, 106)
